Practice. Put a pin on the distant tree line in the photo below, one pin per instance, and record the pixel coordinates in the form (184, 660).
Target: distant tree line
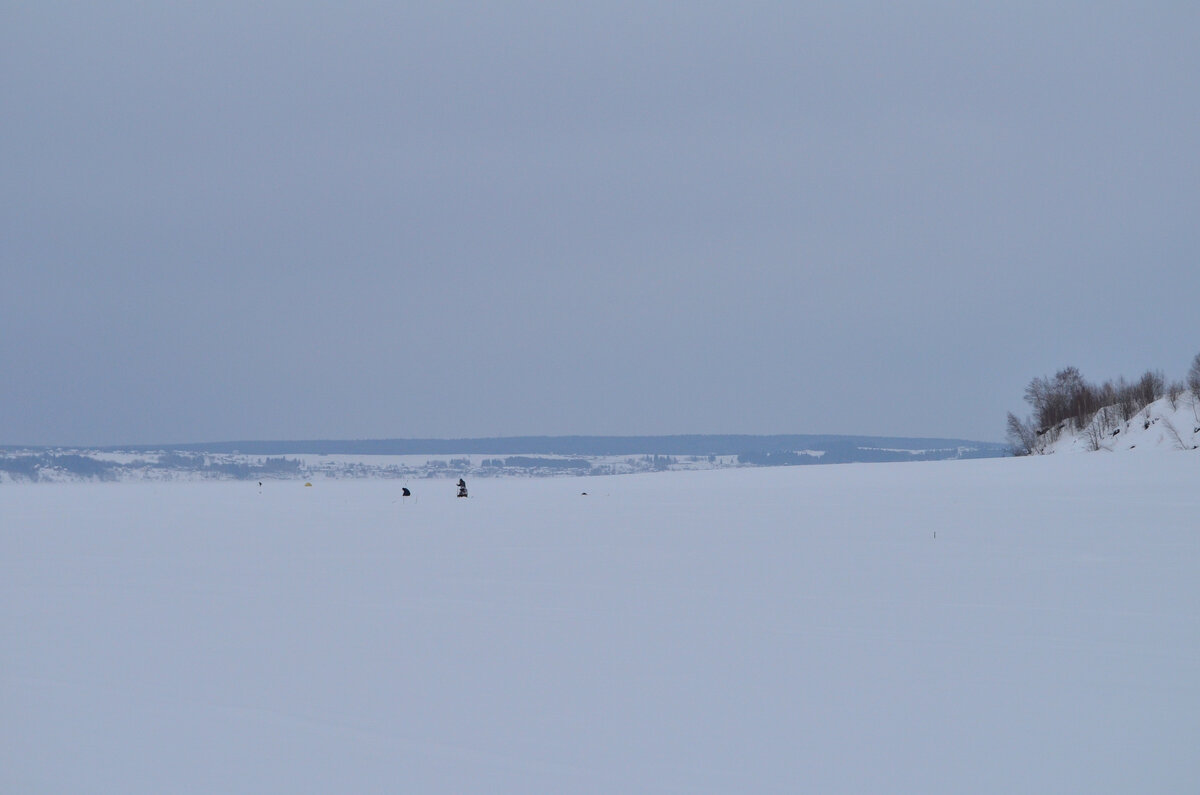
(29, 467)
(847, 453)
(34, 466)
(268, 467)
(566, 446)
(1068, 400)
(777, 458)
(534, 462)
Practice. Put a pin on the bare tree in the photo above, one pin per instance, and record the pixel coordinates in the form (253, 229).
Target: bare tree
(1174, 390)
(1107, 418)
(1150, 387)
(1021, 435)
(1094, 433)
(1066, 399)
(1193, 384)
(1125, 401)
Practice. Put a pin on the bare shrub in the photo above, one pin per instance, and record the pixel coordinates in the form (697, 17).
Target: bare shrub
(1173, 434)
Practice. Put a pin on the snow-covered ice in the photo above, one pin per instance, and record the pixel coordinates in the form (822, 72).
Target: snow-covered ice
(751, 630)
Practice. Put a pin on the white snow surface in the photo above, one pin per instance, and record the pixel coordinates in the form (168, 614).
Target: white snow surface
(993, 626)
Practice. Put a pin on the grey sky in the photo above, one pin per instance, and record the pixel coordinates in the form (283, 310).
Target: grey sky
(356, 220)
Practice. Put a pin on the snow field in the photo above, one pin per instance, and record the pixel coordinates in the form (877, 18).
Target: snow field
(748, 630)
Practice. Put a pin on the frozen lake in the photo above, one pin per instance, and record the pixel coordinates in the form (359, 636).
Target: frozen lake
(993, 626)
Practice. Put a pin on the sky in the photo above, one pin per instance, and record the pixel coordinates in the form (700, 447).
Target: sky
(231, 220)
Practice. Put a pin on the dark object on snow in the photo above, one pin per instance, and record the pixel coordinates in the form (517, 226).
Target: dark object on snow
(462, 487)
(404, 492)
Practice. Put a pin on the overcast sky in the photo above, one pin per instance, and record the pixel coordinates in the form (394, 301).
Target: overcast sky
(226, 221)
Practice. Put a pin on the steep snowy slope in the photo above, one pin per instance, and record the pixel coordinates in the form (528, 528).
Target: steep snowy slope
(1159, 426)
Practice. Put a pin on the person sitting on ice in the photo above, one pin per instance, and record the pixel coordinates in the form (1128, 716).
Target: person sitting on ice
(462, 487)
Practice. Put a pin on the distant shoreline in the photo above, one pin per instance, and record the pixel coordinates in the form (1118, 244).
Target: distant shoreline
(684, 444)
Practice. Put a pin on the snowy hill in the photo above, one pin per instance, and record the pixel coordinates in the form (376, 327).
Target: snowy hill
(1158, 426)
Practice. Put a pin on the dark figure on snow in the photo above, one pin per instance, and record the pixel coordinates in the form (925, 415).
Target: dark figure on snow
(462, 487)
(404, 492)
